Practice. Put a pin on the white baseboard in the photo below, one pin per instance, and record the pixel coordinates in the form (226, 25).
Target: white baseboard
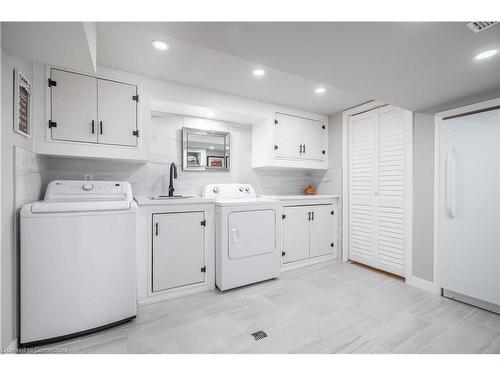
(423, 284)
(307, 262)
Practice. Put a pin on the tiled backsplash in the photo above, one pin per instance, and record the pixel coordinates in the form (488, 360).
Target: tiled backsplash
(151, 178)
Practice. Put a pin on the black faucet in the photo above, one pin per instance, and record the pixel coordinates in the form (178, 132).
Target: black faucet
(173, 174)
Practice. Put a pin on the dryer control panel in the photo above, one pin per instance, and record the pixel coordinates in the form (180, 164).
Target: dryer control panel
(228, 191)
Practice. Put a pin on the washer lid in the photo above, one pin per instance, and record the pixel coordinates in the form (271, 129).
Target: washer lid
(78, 206)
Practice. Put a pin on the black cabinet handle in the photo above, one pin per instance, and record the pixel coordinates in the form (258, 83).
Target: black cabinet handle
(156, 229)
(300, 149)
(309, 216)
(100, 126)
(312, 215)
(304, 149)
(92, 126)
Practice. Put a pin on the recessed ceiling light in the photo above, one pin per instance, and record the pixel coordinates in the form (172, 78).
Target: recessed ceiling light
(259, 72)
(486, 54)
(320, 90)
(209, 114)
(160, 45)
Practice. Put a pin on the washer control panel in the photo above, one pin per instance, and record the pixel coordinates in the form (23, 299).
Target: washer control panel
(88, 190)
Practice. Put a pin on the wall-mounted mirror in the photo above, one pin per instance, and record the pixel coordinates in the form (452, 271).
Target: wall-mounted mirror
(205, 150)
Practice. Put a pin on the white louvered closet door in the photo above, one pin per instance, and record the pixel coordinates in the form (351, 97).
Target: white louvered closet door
(378, 172)
(362, 183)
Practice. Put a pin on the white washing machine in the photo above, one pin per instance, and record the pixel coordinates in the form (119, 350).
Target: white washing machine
(77, 260)
(248, 235)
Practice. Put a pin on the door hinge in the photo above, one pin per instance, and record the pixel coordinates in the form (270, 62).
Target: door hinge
(275, 147)
(204, 269)
(283, 216)
(204, 223)
(283, 253)
(275, 122)
(323, 127)
(135, 97)
(52, 124)
(52, 83)
(136, 133)
(332, 212)
(323, 152)
(331, 245)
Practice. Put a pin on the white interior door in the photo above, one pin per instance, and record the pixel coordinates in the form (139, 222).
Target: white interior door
(362, 184)
(117, 112)
(178, 249)
(287, 136)
(313, 138)
(391, 189)
(321, 238)
(469, 209)
(296, 233)
(73, 104)
(379, 183)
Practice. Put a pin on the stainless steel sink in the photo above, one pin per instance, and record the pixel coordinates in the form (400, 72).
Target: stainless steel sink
(166, 197)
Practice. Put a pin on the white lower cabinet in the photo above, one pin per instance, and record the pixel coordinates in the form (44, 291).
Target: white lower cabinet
(178, 249)
(308, 231)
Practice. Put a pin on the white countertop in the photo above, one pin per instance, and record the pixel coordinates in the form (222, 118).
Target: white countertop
(148, 201)
(301, 197)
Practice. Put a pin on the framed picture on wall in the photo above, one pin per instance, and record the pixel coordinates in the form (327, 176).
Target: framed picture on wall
(216, 161)
(22, 104)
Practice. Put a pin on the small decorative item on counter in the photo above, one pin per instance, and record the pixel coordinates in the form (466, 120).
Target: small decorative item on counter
(310, 190)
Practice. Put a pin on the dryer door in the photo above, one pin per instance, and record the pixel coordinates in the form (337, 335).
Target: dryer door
(251, 233)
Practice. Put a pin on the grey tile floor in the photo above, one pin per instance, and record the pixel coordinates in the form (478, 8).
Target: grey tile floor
(332, 307)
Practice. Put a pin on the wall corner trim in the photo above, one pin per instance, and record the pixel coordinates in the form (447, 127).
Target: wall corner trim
(423, 284)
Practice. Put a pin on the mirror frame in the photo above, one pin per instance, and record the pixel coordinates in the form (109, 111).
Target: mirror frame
(227, 143)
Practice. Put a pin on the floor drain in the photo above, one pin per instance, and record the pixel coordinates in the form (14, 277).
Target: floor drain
(259, 335)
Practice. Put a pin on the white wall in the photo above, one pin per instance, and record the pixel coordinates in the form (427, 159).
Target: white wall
(423, 196)
(152, 178)
(9, 201)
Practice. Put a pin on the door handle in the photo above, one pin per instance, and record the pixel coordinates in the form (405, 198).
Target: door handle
(304, 149)
(300, 149)
(312, 215)
(92, 128)
(309, 216)
(450, 184)
(100, 127)
(235, 233)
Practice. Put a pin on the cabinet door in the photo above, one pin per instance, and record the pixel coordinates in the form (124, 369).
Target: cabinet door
(73, 107)
(178, 249)
(117, 113)
(313, 138)
(296, 233)
(287, 139)
(321, 238)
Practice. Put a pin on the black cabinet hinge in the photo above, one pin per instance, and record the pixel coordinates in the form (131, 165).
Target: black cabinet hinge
(136, 133)
(204, 223)
(275, 122)
(204, 269)
(332, 212)
(331, 245)
(52, 83)
(135, 97)
(283, 216)
(323, 152)
(52, 124)
(323, 127)
(275, 147)
(283, 253)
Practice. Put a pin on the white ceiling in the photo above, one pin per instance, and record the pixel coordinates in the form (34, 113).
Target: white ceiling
(416, 65)
(127, 46)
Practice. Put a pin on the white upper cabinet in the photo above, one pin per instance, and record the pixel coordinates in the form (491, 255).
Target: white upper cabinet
(73, 106)
(87, 111)
(117, 113)
(292, 142)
